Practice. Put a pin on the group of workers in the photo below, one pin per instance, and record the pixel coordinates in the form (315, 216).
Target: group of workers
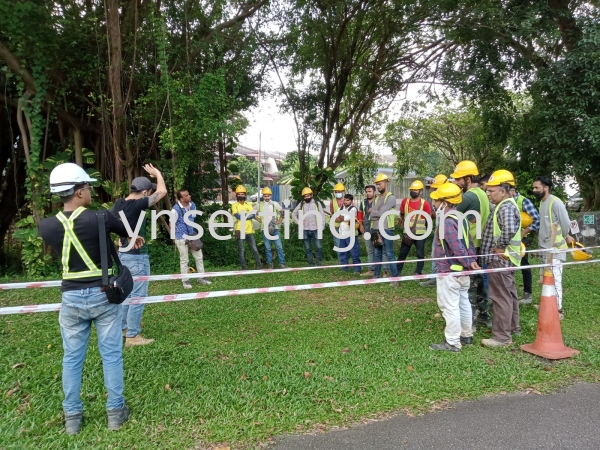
(508, 220)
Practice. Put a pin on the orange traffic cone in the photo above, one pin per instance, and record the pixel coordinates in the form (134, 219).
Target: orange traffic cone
(548, 341)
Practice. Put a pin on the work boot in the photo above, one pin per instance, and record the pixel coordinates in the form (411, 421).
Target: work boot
(137, 340)
(445, 347)
(204, 281)
(561, 315)
(493, 343)
(484, 320)
(117, 417)
(466, 340)
(283, 266)
(432, 282)
(386, 273)
(368, 273)
(270, 266)
(73, 423)
(187, 285)
(526, 300)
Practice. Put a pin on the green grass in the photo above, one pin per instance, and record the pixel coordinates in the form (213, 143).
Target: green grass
(243, 369)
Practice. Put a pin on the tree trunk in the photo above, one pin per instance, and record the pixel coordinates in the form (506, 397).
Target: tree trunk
(114, 76)
(223, 173)
(78, 145)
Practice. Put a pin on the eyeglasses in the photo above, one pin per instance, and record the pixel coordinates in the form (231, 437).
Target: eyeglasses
(91, 188)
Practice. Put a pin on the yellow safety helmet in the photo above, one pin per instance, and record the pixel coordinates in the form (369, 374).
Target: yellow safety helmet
(339, 187)
(526, 219)
(523, 248)
(449, 192)
(439, 180)
(500, 177)
(240, 189)
(416, 185)
(381, 177)
(464, 169)
(306, 191)
(581, 255)
(266, 191)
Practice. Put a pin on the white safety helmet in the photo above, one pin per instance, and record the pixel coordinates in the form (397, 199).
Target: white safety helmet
(65, 177)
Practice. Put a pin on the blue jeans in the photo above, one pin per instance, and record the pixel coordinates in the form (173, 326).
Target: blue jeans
(132, 315)
(278, 247)
(388, 248)
(312, 236)
(434, 264)
(77, 312)
(370, 256)
(354, 252)
(336, 243)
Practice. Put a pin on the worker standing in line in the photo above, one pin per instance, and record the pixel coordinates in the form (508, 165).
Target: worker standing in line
(337, 203)
(438, 181)
(272, 226)
(237, 209)
(466, 176)
(502, 239)
(417, 225)
(365, 206)
(347, 230)
(456, 247)
(314, 220)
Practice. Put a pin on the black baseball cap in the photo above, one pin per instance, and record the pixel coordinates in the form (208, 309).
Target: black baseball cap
(141, 184)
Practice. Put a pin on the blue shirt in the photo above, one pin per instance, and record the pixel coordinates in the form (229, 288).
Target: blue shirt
(181, 227)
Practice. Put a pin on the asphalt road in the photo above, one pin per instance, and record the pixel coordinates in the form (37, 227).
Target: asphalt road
(568, 419)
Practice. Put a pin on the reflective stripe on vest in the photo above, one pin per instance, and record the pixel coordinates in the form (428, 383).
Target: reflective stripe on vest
(465, 233)
(513, 250)
(421, 224)
(390, 218)
(336, 208)
(559, 240)
(484, 211)
(70, 239)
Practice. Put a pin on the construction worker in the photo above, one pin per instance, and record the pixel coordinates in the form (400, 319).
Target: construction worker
(383, 203)
(241, 207)
(142, 195)
(483, 180)
(453, 291)
(347, 229)
(74, 234)
(553, 212)
(337, 203)
(311, 226)
(365, 206)
(438, 181)
(183, 205)
(271, 226)
(417, 225)
(502, 239)
(530, 221)
(466, 176)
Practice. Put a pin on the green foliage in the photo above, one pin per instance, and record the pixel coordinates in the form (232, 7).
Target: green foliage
(319, 180)
(247, 170)
(36, 263)
(361, 166)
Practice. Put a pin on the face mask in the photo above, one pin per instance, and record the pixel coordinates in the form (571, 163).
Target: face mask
(440, 210)
(308, 200)
(539, 195)
(241, 198)
(414, 194)
(338, 195)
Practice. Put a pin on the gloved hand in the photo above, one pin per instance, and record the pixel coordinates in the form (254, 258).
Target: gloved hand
(237, 216)
(250, 217)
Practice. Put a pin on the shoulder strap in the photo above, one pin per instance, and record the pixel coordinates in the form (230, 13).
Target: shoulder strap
(103, 247)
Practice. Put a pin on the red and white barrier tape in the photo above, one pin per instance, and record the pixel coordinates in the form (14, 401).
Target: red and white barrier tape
(300, 287)
(178, 276)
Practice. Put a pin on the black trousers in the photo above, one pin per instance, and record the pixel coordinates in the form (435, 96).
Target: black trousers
(526, 274)
(405, 249)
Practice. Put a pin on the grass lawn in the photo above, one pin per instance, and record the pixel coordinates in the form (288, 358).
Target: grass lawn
(236, 371)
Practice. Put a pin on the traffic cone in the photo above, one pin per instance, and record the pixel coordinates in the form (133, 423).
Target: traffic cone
(548, 341)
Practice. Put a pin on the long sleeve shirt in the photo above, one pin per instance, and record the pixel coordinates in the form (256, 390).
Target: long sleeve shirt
(381, 207)
(530, 209)
(560, 216)
(454, 244)
(509, 220)
(310, 221)
(181, 227)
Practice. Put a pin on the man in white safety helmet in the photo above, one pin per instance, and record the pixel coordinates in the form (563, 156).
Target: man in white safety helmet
(74, 235)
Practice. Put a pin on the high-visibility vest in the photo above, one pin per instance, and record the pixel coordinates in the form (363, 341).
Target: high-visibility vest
(484, 211)
(261, 209)
(69, 240)
(464, 227)
(520, 199)
(390, 218)
(336, 208)
(421, 227)
(513, 250)
(559, 241)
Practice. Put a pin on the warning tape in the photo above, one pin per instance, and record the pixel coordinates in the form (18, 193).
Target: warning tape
(52, 307)
(179, 276)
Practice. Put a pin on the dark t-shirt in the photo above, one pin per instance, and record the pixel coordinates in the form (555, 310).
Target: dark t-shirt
(470, 202)
(132, 209)
(86, 230)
